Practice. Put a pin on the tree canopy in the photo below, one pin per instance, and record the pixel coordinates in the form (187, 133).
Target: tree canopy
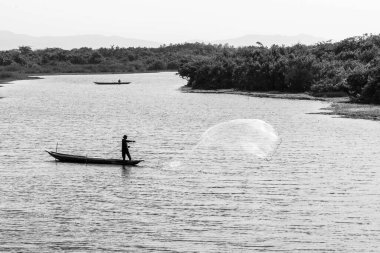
(351, 65)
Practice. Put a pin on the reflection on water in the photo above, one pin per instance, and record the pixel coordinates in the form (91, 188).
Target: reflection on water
(319, 192)
(125, 171)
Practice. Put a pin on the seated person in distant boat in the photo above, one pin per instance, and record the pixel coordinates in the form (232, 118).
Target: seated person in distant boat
(119, 81)
(124, 147)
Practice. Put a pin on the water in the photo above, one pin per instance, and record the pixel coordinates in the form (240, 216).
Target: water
(319, 193)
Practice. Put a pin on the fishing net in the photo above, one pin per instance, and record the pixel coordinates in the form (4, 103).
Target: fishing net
(249, 137)
(235, 142)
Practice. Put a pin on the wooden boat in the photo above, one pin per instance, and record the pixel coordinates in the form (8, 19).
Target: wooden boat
(84, 159)
(111, 83)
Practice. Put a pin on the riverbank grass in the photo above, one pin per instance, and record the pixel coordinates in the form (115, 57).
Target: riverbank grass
(354, 111)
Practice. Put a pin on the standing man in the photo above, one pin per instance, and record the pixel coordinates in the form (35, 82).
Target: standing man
(124, 147)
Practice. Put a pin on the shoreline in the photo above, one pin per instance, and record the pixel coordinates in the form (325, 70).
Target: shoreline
(31, 76)
(339, 106)
(269, 94)
(98, 73)
(353, 111)
(11, 79)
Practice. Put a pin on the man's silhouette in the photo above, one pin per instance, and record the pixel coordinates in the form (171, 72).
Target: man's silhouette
(124, 147)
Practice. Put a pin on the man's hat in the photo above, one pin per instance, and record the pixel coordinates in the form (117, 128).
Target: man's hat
(125, 137)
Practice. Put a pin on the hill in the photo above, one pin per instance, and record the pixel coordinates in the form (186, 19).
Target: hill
(9, 40)
(269, 40)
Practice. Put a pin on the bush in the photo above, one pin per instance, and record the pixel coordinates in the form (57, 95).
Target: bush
(356, 82)
(371, 91)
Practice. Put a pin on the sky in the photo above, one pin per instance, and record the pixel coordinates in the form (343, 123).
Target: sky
(170, 21)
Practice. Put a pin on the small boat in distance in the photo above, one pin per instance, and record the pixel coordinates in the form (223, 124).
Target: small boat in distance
(84, 159)
(111, 83)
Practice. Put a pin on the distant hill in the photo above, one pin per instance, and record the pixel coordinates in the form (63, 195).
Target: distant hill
(9, 40)
(268, 40)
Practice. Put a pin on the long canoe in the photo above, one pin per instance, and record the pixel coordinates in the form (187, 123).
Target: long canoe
(84, 159)
(111, 83)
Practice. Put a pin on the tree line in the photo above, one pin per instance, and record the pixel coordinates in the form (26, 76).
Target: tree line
(102, 60)
(351, 65)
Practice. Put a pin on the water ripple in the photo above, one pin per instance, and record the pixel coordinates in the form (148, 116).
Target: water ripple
(319, 193)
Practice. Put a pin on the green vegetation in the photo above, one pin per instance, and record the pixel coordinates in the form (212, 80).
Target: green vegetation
(351, 65)
(24, 60)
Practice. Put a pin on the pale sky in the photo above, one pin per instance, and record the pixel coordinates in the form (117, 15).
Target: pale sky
(175, 20)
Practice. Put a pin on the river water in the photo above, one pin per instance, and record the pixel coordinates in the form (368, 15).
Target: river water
(320, 191)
